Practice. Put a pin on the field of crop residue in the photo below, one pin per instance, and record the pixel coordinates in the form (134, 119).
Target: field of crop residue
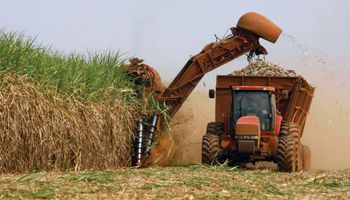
(191, 182)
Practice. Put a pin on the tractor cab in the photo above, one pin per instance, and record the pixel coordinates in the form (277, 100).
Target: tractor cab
(252, 117)
(253, 101)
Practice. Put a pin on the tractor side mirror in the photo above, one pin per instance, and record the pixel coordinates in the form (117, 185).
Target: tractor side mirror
(212, 93)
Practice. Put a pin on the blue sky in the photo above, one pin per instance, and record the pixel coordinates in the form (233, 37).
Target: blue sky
(166, 33)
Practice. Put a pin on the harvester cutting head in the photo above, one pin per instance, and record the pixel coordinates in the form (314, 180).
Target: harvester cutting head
(259, 25)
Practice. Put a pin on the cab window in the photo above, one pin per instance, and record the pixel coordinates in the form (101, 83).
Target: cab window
(253, 103)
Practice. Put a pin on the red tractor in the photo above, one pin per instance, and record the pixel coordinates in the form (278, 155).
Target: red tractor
(259, 118)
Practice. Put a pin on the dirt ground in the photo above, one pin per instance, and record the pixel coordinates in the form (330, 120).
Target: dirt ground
(327, 130)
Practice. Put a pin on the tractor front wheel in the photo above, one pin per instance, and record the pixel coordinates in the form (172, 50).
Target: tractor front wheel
(215, 128)
(210, 149)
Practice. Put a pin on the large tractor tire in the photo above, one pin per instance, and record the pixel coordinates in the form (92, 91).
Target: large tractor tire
(210, 149)
(284, 130)
(288, 156)
(306, 157)
(215, 128)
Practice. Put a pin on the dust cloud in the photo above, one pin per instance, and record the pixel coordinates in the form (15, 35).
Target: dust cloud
(327, 129)
(189, 125)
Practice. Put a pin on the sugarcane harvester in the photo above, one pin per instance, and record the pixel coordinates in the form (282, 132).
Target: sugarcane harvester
(239, 137)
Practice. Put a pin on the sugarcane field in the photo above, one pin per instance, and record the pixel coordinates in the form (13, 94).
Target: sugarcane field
(174, 100)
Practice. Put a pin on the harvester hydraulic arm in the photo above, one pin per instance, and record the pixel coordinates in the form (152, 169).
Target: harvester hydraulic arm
(211, 57)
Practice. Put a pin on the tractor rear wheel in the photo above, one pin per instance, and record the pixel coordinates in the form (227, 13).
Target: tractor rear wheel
(215, 128)
(210, 149)
(306, 157)
(288, 156)
(284, 129)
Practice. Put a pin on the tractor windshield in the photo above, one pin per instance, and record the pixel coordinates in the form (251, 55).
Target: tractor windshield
(248, 103)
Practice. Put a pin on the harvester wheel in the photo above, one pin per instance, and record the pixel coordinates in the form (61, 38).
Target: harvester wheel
(288, 156)
(306, 157)
(210, 149)
(215, 128)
